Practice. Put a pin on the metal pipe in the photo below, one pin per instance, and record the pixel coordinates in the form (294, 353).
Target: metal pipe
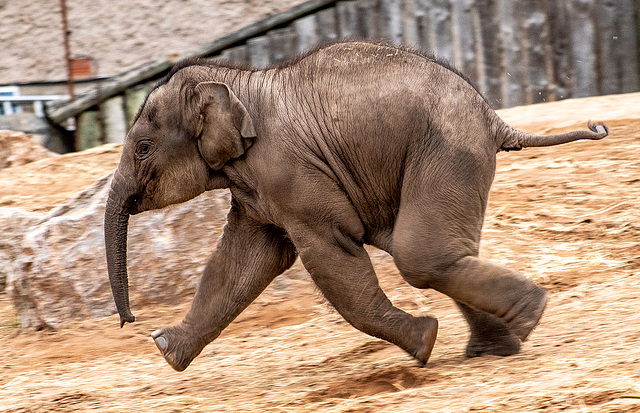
(67, 49)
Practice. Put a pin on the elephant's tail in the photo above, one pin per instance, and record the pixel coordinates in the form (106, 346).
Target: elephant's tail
(514, 140)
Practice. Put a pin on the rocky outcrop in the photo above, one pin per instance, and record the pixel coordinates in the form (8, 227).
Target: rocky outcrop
(16, 149)
(61, 271)
(13, 222)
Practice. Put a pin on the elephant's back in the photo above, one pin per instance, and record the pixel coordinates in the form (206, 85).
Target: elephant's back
(367, 110)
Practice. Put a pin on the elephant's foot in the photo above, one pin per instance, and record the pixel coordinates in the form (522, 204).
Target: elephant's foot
(177, 351)
(503, 345)
(427, 340)
(523, 317)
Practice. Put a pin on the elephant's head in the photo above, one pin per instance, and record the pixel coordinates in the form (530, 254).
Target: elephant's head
(186, 131)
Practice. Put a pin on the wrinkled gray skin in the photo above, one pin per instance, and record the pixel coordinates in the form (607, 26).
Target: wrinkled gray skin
(352, 144)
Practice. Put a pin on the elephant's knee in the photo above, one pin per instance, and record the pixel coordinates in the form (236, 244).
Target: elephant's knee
(417, 280)
(428, 262)
(422, 271)
(417, 271)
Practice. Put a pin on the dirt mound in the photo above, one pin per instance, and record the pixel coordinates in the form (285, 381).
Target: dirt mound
(42, 186)
(566, 217)
(17, 148)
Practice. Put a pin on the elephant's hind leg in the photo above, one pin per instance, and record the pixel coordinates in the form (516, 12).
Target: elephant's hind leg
(489, 335)
(248, 257)
(331, 250)
(435, 245)
(428, 258)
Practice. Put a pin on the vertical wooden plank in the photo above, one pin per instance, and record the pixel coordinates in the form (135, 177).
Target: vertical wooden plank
(456, 45)
(259, 54)
(441, 30)
(583, 50)
(513, 79)
(465, 39)
(409, 24)
(627, 47)
(609, 70)
(547, 49)
(224, 55)
(479, 50)
(87, 130)
(133, 99)
(114, 119)
(560, 32)
(238, 54)
(537, 43)
(306, 33)
(636, 13)
(423, 22)
(636, 23)
(391, 15)
(282, 45)
(368, 19)
(347, 19)
(489, 30)
(327, 26)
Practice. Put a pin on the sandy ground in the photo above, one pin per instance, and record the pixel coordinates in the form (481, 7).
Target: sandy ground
(566, 217)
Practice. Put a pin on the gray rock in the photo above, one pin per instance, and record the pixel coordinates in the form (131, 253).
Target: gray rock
(60, 273)
(14, 222)
(16, 149)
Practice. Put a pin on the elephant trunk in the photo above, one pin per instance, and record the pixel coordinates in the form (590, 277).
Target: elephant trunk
(116, 222)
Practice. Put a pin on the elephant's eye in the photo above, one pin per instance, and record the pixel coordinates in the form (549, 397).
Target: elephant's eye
(144, 149)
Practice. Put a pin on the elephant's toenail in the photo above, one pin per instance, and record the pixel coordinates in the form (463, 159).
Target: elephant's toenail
(161, 342)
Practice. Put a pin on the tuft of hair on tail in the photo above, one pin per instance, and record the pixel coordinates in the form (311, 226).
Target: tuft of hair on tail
(598, 127)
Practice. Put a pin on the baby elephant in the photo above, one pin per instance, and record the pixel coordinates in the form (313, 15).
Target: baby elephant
(352, 144)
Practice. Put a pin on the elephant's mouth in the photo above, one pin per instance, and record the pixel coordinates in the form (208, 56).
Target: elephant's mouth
(138, 204)
(135, 207)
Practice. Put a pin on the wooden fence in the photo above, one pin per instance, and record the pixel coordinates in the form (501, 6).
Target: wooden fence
(516, 51)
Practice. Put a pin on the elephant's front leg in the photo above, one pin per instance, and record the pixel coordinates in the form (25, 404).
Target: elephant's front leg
(249, 256)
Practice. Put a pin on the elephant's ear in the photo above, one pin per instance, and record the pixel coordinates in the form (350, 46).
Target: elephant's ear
(225, 128)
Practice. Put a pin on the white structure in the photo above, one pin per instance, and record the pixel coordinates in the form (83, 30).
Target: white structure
(12, 103)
